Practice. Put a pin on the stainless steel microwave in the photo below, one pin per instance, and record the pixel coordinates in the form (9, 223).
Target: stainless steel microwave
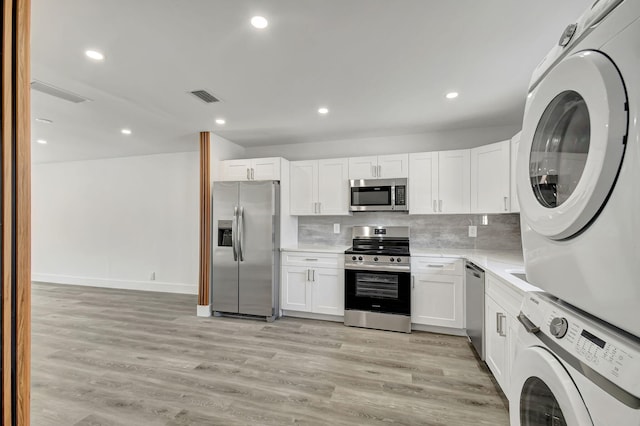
(376, 195)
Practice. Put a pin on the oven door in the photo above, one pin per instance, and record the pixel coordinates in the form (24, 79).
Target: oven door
(378, 291)
(371, 198)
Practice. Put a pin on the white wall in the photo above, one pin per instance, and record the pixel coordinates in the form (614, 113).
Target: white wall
(222, 149)
(436, 141)
(113, 222)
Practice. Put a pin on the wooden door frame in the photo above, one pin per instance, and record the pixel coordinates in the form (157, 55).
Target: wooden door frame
(15, 211)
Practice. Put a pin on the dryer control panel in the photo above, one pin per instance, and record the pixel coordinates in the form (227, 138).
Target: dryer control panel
(588, 345)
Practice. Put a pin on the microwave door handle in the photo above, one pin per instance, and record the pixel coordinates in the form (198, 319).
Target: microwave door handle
(234, 233)
(393, 196)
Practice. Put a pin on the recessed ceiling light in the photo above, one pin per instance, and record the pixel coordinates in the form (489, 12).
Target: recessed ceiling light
(452, 95)
(220, 121)
(44, 120)
(94, 54)
(125, 131)
(323, 110)
(259, 22)
(42, 141)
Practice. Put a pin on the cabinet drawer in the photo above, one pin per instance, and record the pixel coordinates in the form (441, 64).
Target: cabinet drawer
(437, 265)
(313, 260)
(504, 293)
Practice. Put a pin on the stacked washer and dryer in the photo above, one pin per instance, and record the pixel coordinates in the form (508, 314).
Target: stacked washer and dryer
(577, 360)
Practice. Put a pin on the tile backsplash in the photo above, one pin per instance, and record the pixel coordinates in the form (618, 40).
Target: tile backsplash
(427, 231)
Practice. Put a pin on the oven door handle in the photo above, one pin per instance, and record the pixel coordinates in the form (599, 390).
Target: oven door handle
(386, 268)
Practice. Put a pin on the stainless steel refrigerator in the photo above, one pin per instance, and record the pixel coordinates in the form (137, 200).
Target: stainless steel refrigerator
(246, 254)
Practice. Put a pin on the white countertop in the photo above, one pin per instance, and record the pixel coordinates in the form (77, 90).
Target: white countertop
(316, 248)
(499, 262)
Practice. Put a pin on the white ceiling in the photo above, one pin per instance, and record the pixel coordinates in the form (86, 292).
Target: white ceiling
(381, 66)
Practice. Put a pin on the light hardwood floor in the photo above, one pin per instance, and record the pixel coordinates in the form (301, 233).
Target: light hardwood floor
(116, 357)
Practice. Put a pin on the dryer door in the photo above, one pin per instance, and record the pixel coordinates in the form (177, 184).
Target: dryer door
(573, 140)
(544, 393)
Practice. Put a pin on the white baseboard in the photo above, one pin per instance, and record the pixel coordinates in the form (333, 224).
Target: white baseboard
(159, 286)
(438, 329)
(311, 315)
(203, 311)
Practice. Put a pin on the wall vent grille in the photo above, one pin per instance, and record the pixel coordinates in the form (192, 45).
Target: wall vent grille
(57, 92)
(204, 96)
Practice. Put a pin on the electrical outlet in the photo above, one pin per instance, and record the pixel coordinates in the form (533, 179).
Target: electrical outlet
(336, 228)
(153, 276)
(473, 231)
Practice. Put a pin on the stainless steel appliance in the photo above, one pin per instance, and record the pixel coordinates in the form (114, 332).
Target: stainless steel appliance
(246, 255)
(475, 307)
(378, 279)
(379, 195)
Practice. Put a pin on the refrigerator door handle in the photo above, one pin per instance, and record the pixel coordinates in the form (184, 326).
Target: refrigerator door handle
(234, 233)
(241, 234)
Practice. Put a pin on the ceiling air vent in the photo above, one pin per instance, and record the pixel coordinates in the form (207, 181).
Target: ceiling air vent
(204, 96)
(57, 92)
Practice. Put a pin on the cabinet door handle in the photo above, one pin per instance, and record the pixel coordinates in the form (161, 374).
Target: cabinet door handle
(499, 326)
(248, 174)
(435, 208)
(252, 177)
(373, 171)
(313, 275)
(433, 265)
(413, 281)
(505, 204)
(379, 171)
(319, 208)
(503, 333)
(311, 259)
(440, 205)
(308, 274)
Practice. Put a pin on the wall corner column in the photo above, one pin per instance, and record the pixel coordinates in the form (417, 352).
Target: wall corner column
(204, 280)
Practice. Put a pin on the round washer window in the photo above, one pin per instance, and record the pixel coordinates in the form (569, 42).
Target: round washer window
(559, 149)
(538, 406)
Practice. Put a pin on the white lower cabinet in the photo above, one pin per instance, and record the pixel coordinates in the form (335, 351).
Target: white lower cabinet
(502, 304)
(305, 287)
(437, 300)
(437, 291)
(497, 342)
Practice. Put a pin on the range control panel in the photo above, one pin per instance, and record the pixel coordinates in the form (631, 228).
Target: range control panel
(604, 349)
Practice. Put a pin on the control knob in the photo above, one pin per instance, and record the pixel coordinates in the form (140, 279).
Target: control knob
(398, 259)
(391, 260)
(375, 259)
(359, 257)
(558, 327)
(353, 258)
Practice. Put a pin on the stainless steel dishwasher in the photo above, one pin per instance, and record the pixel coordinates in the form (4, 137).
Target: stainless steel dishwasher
(475, 306)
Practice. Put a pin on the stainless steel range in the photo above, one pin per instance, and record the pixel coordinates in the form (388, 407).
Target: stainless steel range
(378, 279)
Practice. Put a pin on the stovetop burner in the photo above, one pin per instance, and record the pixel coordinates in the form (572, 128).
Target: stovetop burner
(380, 240)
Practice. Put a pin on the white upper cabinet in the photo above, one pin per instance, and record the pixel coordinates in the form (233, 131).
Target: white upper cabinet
(423, 183)
(319, 187)
(304, 188)
(251, 169)
(453, 181)
(379, 167)
(333, 187)
(490, 178)
(515, 145)
(393, 166)
(233, 170)
(439, 182)
(363, 167)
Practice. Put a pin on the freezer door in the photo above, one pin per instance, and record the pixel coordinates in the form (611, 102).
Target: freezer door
(225, 268)
(256, 235)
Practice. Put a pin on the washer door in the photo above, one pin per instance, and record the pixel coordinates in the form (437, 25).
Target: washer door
(547, 395)
(573, 141)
